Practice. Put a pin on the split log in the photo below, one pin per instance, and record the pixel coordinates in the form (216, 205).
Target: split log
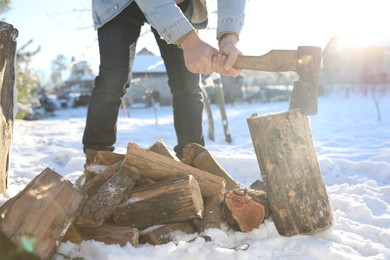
(161, 148)
(199, 157)
(286, 155)
(165, 202)
(8, 36)
(158, 167)
(247, 209)
(108, 234)
(107, 158)
(163, 234)
(41, 213)
(212, 215)
(100, 204)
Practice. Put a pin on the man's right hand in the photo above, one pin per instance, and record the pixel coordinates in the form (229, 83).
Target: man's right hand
(198, 54)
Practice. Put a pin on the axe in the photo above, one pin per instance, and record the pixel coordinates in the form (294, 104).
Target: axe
(306, 61)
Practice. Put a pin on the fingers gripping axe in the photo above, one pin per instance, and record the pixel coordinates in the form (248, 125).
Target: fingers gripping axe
(306, 61)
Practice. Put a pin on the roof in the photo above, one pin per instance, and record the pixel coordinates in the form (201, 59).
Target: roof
(148, 64)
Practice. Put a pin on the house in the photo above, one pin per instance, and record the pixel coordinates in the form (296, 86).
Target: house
(78, 86)
(149, 77)
(344, 62)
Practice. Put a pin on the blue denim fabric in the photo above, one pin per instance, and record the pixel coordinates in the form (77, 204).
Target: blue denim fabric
(168, 20)
(115, 37)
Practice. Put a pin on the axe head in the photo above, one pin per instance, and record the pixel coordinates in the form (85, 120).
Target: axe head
(305, 92)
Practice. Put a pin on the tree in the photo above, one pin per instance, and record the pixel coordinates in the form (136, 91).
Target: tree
(58, 66)
(27, 82)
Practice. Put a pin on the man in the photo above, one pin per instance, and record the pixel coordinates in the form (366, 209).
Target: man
(185, 55)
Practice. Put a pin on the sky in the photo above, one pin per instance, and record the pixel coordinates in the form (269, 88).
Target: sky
(352, 148)
(65, 27)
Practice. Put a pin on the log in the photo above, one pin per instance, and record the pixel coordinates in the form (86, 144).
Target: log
(158, 167)
(107, 158)
(163, 234)
(108, 234)
(161, 148)
(102, 201)
(199, 157)
(212, 215)
(289, 167)
(41, 213)
(8, 36)
(165, 202)
(247, 211)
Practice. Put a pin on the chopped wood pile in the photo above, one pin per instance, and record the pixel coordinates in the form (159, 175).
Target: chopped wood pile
(149, 193)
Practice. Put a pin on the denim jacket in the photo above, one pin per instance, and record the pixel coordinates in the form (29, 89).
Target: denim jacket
(169, 21)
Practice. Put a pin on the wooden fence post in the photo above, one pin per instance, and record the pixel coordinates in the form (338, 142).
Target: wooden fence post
(8, 36)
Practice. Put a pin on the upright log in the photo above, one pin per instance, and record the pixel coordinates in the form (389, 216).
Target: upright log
(8, 36)
(157, 167)
(288, 162)
(39, 215)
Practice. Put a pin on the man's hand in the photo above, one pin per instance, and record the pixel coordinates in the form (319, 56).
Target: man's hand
(228, 51)
(198, 54)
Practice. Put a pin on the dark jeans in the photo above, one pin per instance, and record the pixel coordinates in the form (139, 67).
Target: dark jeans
(115, 38)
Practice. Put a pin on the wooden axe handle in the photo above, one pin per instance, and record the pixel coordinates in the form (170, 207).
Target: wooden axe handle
(273, 61)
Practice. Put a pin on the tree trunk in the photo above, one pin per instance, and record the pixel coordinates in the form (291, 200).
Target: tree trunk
(158, 167)
(166, 202)
(41, 213)
(8, 36)
(289, 167)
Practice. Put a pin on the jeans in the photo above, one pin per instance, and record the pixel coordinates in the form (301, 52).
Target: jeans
(115, 38)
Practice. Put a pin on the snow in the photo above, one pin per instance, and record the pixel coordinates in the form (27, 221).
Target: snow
(353, 151)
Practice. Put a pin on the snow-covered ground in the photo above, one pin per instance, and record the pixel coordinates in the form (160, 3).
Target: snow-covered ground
(353, 150)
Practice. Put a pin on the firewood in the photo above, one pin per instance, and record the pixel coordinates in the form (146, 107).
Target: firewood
(247, 212)
(158, 167)
(288, 162)
(212, 215)
(40, 214)
(102, 201)
(163, 234)
(8, 36)
(108, 234)
(161, 148)
(165, 202)
(199, 157)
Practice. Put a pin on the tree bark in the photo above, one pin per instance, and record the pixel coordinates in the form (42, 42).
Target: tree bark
(158, 167)
(166, 202)
(102, 200)
(289, 167)
(41, 213)
(8, 36)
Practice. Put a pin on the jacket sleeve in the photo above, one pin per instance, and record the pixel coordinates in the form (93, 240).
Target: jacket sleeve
(166, 17)
(231, 15)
